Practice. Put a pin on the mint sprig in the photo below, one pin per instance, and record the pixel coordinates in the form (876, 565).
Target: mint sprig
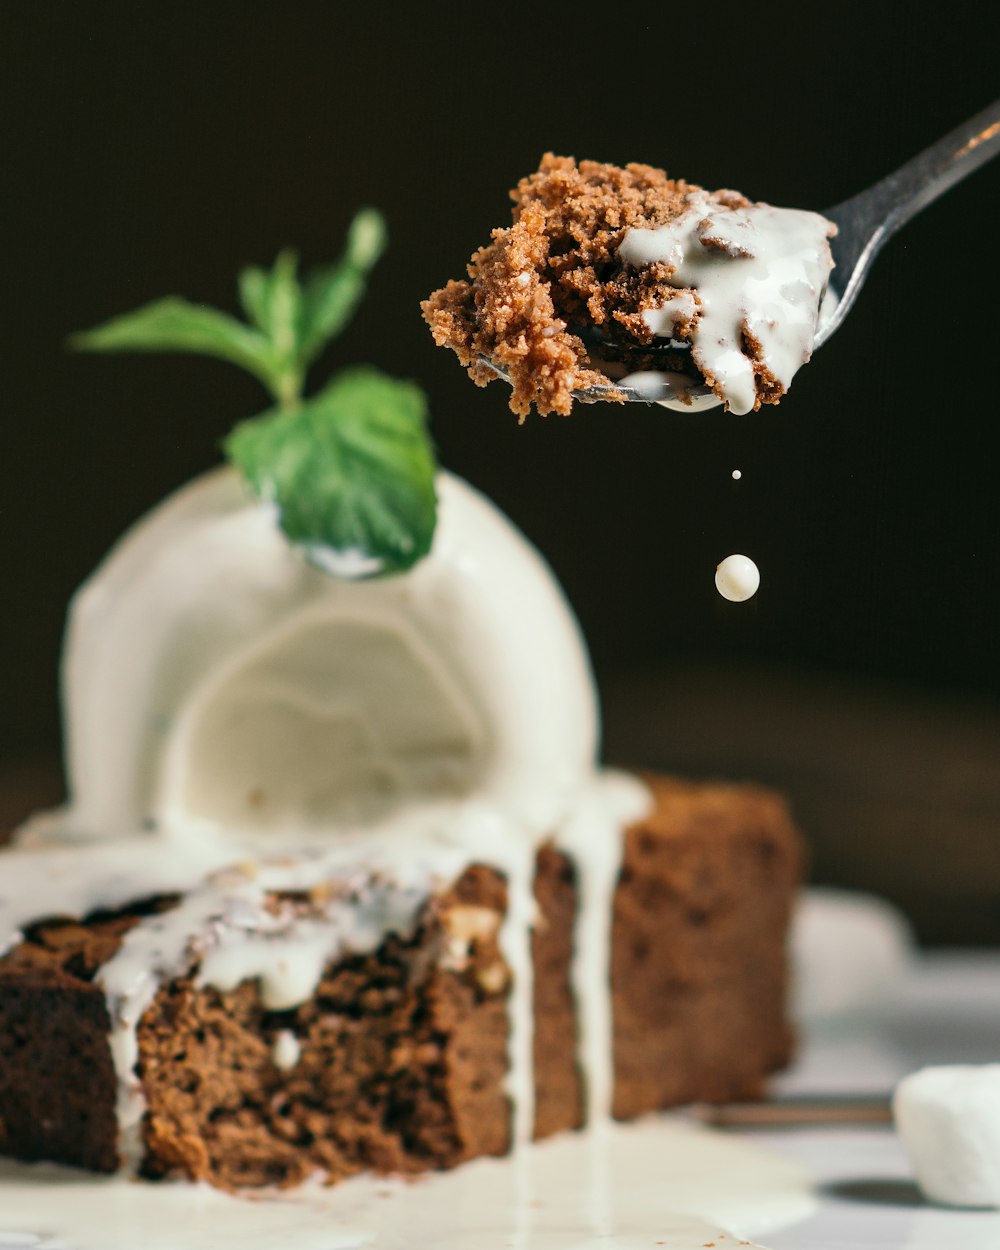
(351, 468)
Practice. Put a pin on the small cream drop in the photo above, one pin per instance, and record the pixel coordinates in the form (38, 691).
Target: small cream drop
(737, 474)
(737, 578)
(286, 1050)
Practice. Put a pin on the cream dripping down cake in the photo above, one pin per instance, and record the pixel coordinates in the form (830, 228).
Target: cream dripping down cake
(340, 885)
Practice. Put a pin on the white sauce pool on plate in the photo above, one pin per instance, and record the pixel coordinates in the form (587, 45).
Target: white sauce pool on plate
(622, 1187)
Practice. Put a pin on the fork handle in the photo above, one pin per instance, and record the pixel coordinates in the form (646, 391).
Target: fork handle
(867, 220)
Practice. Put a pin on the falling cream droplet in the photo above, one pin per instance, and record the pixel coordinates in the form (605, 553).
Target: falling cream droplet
(737, 474)
(737, 578)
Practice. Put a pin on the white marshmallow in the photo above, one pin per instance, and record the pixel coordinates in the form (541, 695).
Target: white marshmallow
(948, 1119)
(850, 953)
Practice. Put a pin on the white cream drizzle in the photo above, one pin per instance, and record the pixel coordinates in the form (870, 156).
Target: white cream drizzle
(285, 1050)
(677, 308)
(225, 927)
(760, 269)
(515, 946)
(593, 838)
(473, 722)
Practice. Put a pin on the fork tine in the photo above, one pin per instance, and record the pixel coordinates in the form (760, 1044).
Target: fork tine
(647, 387)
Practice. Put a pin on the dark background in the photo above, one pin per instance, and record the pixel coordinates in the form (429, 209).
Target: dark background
(150, 149)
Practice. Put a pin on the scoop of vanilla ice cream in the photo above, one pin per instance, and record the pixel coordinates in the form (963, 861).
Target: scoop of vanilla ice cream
(851, 953)
(214, 679)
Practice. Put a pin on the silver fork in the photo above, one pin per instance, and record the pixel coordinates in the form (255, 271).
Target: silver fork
(865, 223)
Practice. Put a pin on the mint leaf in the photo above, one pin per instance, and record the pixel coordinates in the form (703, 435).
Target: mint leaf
(254, 286)
(289, 325)
(351, 471)
(273, 302)
(333, 292)
(284, 306)
(176, 325)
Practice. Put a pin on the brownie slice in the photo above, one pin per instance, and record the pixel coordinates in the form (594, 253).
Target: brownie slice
(398, 1061)
(698, 956)
(401, 1054)
(57, 1079)
(401, 1059)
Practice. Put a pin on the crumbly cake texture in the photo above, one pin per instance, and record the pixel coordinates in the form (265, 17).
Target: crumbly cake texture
(402, 1053)
(556, 270)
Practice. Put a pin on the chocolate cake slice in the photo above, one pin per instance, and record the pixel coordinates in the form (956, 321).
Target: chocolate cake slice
(399, 1060)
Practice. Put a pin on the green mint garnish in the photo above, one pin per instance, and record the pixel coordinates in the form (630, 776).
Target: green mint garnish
(350, 468)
